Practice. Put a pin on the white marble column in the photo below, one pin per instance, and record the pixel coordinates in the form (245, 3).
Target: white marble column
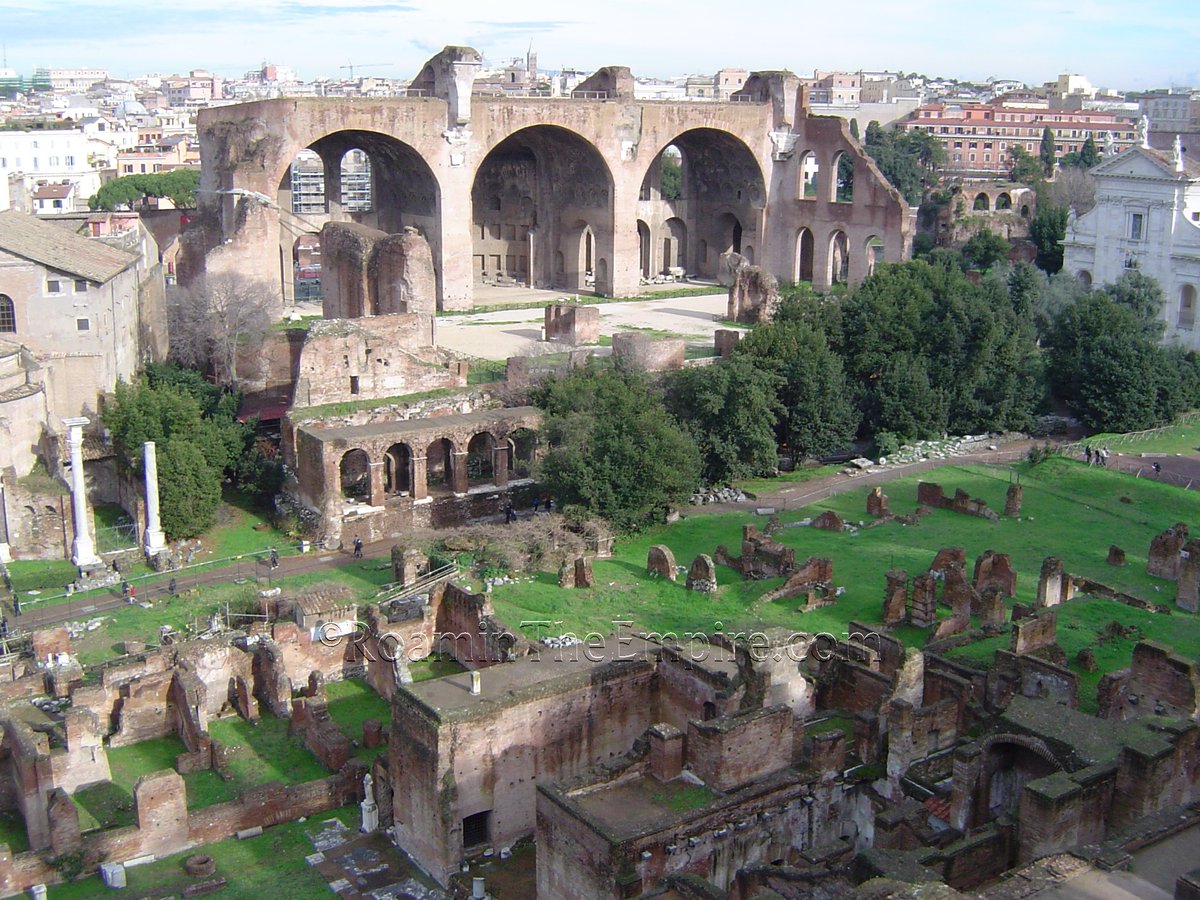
(82, 551)
(5, 549)
(154, 538)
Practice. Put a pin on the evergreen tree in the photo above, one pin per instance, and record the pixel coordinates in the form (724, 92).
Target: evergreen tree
(1047, 153)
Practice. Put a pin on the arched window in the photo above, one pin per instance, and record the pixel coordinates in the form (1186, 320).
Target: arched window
(1187, 307)
(8, 315)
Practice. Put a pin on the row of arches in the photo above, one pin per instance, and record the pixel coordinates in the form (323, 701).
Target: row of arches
(837, 256)
(440, 467)
(541, 203)
(1003, 202)
(838, 189)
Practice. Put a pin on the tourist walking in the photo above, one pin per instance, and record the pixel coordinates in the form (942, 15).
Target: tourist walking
(1087, 454)
(357, 547)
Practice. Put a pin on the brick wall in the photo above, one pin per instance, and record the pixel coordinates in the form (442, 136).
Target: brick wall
(730, 752)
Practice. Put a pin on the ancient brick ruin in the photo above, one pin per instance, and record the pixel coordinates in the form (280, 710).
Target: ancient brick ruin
(470, 171)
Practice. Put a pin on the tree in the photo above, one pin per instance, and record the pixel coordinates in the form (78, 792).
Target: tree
(177, 185)
(730, 410)
(908, 160)
(1025, 167)
(670, 177)
(1089, 155)
(817, 412)
(1072, 188)
(189, 492)
(209, 322)
(613, 447)
(985, 249)
(1106, 364)
(1047, 232)
(854, 128)
(192, 451)
(1047, 153)
(1141, 295)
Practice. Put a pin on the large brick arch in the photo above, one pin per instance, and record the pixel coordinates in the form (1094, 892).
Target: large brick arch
(246, 149)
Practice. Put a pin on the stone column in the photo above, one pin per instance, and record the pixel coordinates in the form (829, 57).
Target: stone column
(153, 539)
(377, 494)
(420, 484)
(5, 550)
(82, 552)
(500, 466)
(459, 472)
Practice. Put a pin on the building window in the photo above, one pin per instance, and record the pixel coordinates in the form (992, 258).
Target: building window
(83, 325)
(70, 160)
(53, 286)
(8, 315)
(81, 285)
(1137, 223)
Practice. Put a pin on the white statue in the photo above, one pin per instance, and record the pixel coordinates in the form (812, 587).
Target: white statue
(1110, 145)
(1143, 132)
(1177, 153)
(370, 810)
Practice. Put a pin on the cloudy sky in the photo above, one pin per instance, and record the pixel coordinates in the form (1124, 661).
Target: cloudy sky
(1112, 42)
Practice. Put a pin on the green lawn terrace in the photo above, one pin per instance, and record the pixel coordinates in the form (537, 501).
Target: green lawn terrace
(1069, 511)
(270, 863)
(240, 538)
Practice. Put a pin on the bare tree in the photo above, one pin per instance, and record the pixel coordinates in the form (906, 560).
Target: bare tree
(210, 320)
(1073, 188)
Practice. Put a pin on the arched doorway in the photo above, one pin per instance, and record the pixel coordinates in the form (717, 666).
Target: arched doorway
(306, 268)
(354, 473)
(361, 176)
(675, 245)
(843, 190)
(873, 253)
(644, 249)
(1008, 767)
(981, 203)
(1004, 201)
(720, 192)
(522, 448)
(1187, 307)
(480, 469)
(547, 179)
(439, 466)
(839, 258)
(809, 170)
(397, 470)
(805, 248)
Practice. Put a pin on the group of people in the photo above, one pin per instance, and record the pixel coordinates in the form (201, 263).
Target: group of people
(544, 501)
(1098, 456)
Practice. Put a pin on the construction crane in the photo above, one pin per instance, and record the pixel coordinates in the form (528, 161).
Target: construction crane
(353, 66)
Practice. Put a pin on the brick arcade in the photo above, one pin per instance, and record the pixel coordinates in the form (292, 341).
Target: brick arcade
(554, 193)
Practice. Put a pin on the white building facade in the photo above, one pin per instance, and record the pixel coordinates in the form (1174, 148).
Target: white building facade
(1146, 217)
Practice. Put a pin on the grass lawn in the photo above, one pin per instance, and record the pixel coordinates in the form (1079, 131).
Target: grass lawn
(1183, 438)
(12, 832)
(351, 702)
(194, 607)
(242, 529)
(264, 751)
(760, 486)
(110, 804)
(270, 864)
(435, 665)
(42, 575)
(1069, 511)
